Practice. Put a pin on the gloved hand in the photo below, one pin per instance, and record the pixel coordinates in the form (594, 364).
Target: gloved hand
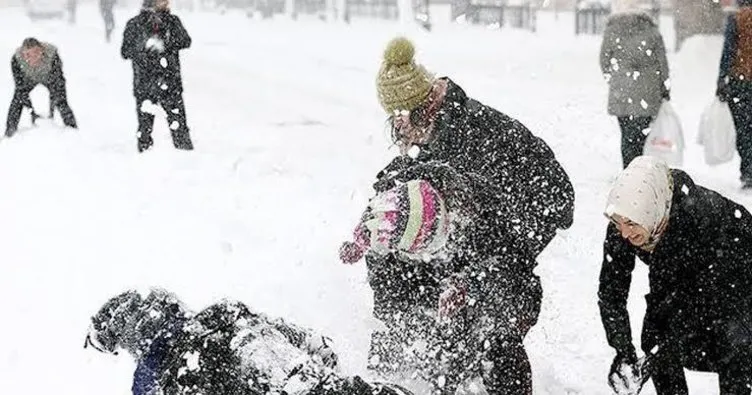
(385, 178)
(452, 298)
(626, 376)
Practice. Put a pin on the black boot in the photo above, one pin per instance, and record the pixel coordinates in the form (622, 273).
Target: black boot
(144, 143)
(182, 141)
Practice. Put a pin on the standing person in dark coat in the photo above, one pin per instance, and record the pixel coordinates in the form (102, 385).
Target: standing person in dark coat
(226, 349)
(106, 8)
(734, 85)
(633, 61)
(448, 271)
(698, 247)
(37, 63)
(433, 121)
(152, 41)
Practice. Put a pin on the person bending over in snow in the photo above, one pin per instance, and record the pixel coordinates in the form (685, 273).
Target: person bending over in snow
(152, 41)
(226, 349)
(37, 63)
(449, 265)
(432, 119)
(698, 248)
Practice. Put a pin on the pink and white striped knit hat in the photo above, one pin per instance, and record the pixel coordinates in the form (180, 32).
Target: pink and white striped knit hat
(410, 218)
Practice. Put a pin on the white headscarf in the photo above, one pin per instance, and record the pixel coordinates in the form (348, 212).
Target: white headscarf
(642, 192)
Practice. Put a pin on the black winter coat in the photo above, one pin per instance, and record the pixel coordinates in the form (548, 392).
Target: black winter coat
(155, 73)
(700, 280)
(483, 251)
(473, 138)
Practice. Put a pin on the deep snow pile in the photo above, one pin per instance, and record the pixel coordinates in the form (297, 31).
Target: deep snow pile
(289, 136)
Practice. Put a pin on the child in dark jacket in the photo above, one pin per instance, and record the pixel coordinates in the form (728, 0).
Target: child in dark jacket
(224, 349)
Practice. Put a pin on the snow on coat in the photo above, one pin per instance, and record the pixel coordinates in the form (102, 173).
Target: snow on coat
(633, 61)
(700, 301)
(224, 349)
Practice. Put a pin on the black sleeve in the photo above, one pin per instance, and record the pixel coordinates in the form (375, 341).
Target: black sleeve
(607, 51)
(22, 87)
(526, 166)
(57, 69)
(17, 73)
(613, 292)
(663, 67)
(179, 38)
(129, 48)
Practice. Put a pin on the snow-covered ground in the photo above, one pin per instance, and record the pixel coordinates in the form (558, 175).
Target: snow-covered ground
(289, 135)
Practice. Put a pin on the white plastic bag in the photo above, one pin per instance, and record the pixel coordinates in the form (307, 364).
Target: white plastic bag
(717, 133)
(666, 139)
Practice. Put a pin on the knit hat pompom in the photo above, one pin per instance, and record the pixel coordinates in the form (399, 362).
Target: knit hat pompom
(399, 51)
(402, 84)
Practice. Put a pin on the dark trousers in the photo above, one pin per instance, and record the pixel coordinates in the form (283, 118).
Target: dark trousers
(510, 372)
(633, 137)
(734, 376)
(174, 106)
(740, 104)
(58, 99)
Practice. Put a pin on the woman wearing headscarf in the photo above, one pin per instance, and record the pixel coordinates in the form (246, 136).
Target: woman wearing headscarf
(698, 248)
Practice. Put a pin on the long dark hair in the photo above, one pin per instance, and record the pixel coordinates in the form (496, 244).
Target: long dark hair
(418, 119)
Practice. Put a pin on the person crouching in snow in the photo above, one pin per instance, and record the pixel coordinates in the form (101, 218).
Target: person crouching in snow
(697, 245)
(152, 41)
(449, 265)
(432, 119)
(226, 349)
(37, 63)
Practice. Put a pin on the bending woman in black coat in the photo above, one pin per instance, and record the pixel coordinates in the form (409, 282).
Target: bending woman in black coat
(698, 247)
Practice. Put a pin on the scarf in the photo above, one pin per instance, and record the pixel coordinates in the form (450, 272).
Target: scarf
(642, 193)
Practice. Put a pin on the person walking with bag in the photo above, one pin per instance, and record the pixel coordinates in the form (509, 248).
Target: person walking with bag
(734, 86)
(633, 62)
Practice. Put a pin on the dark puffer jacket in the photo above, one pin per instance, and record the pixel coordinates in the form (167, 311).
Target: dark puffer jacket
(473, 138)
(224, 349)
(155, 73)
(700, 301)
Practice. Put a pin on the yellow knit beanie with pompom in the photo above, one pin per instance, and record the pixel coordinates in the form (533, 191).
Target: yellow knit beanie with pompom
(402, 84)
